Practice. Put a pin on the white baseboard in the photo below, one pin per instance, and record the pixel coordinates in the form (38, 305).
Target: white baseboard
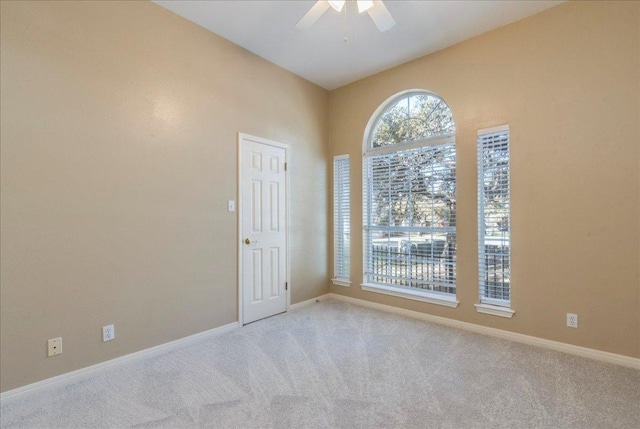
(84, 373)
(307, 302)
(599, 355)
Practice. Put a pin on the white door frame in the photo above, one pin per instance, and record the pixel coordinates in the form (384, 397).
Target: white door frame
(241, 138)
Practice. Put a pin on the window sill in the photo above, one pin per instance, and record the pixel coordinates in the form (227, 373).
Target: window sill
(431, 298)
(495, 310)
(341, 282)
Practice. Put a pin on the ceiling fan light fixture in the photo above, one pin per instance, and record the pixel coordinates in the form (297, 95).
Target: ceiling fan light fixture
(376, 10)
(337, 4)
(364, 5)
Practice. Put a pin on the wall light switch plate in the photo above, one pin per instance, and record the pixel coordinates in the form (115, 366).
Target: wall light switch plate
(108, 333)
(231, 206)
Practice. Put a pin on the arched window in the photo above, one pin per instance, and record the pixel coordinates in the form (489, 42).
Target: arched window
(414, 116)
(410, 199)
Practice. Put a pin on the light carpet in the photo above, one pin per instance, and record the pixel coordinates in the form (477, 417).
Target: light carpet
(333, 364)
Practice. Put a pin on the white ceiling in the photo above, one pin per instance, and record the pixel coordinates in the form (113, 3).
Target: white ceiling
(319, 54)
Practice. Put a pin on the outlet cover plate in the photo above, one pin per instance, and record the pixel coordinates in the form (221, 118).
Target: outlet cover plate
(108, 333)
(54, 347)
(572, 320)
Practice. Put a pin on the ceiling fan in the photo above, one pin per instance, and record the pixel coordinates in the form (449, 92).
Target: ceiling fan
(375, 8)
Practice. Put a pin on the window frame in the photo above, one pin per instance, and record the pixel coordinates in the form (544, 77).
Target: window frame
(339, 211)
(433, 297)
(487, 305)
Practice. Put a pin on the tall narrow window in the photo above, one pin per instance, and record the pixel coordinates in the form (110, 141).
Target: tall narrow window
(341, 221)
(494, 226)
(410, 200)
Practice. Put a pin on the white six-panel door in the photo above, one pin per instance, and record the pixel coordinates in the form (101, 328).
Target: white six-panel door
(263, 229)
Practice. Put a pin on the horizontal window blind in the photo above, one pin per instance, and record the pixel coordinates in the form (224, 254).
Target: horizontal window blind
(341, 217)
(494, 238)
(410, 218)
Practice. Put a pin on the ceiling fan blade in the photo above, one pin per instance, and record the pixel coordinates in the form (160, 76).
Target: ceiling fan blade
(381, 16)
(314, 13)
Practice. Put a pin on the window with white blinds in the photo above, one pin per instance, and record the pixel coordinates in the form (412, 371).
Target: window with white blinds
(494, 227)
(410, 218)
(409, 207)
(341, 220)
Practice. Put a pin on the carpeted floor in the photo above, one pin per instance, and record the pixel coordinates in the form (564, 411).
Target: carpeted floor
(333, 364)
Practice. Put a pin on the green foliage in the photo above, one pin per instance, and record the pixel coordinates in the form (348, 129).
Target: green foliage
(414, 187)
(412, 118)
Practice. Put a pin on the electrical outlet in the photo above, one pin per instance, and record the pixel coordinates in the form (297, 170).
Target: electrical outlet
(572, 320)
(108, 333)
(54, 347)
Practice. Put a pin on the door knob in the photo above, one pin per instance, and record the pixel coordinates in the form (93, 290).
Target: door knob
(249, 241)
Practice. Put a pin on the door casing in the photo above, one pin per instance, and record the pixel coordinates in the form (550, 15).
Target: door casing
(241, 138)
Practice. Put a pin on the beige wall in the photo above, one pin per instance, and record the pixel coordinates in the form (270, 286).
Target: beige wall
(119, 124)
(118, 154)
(567, 81)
